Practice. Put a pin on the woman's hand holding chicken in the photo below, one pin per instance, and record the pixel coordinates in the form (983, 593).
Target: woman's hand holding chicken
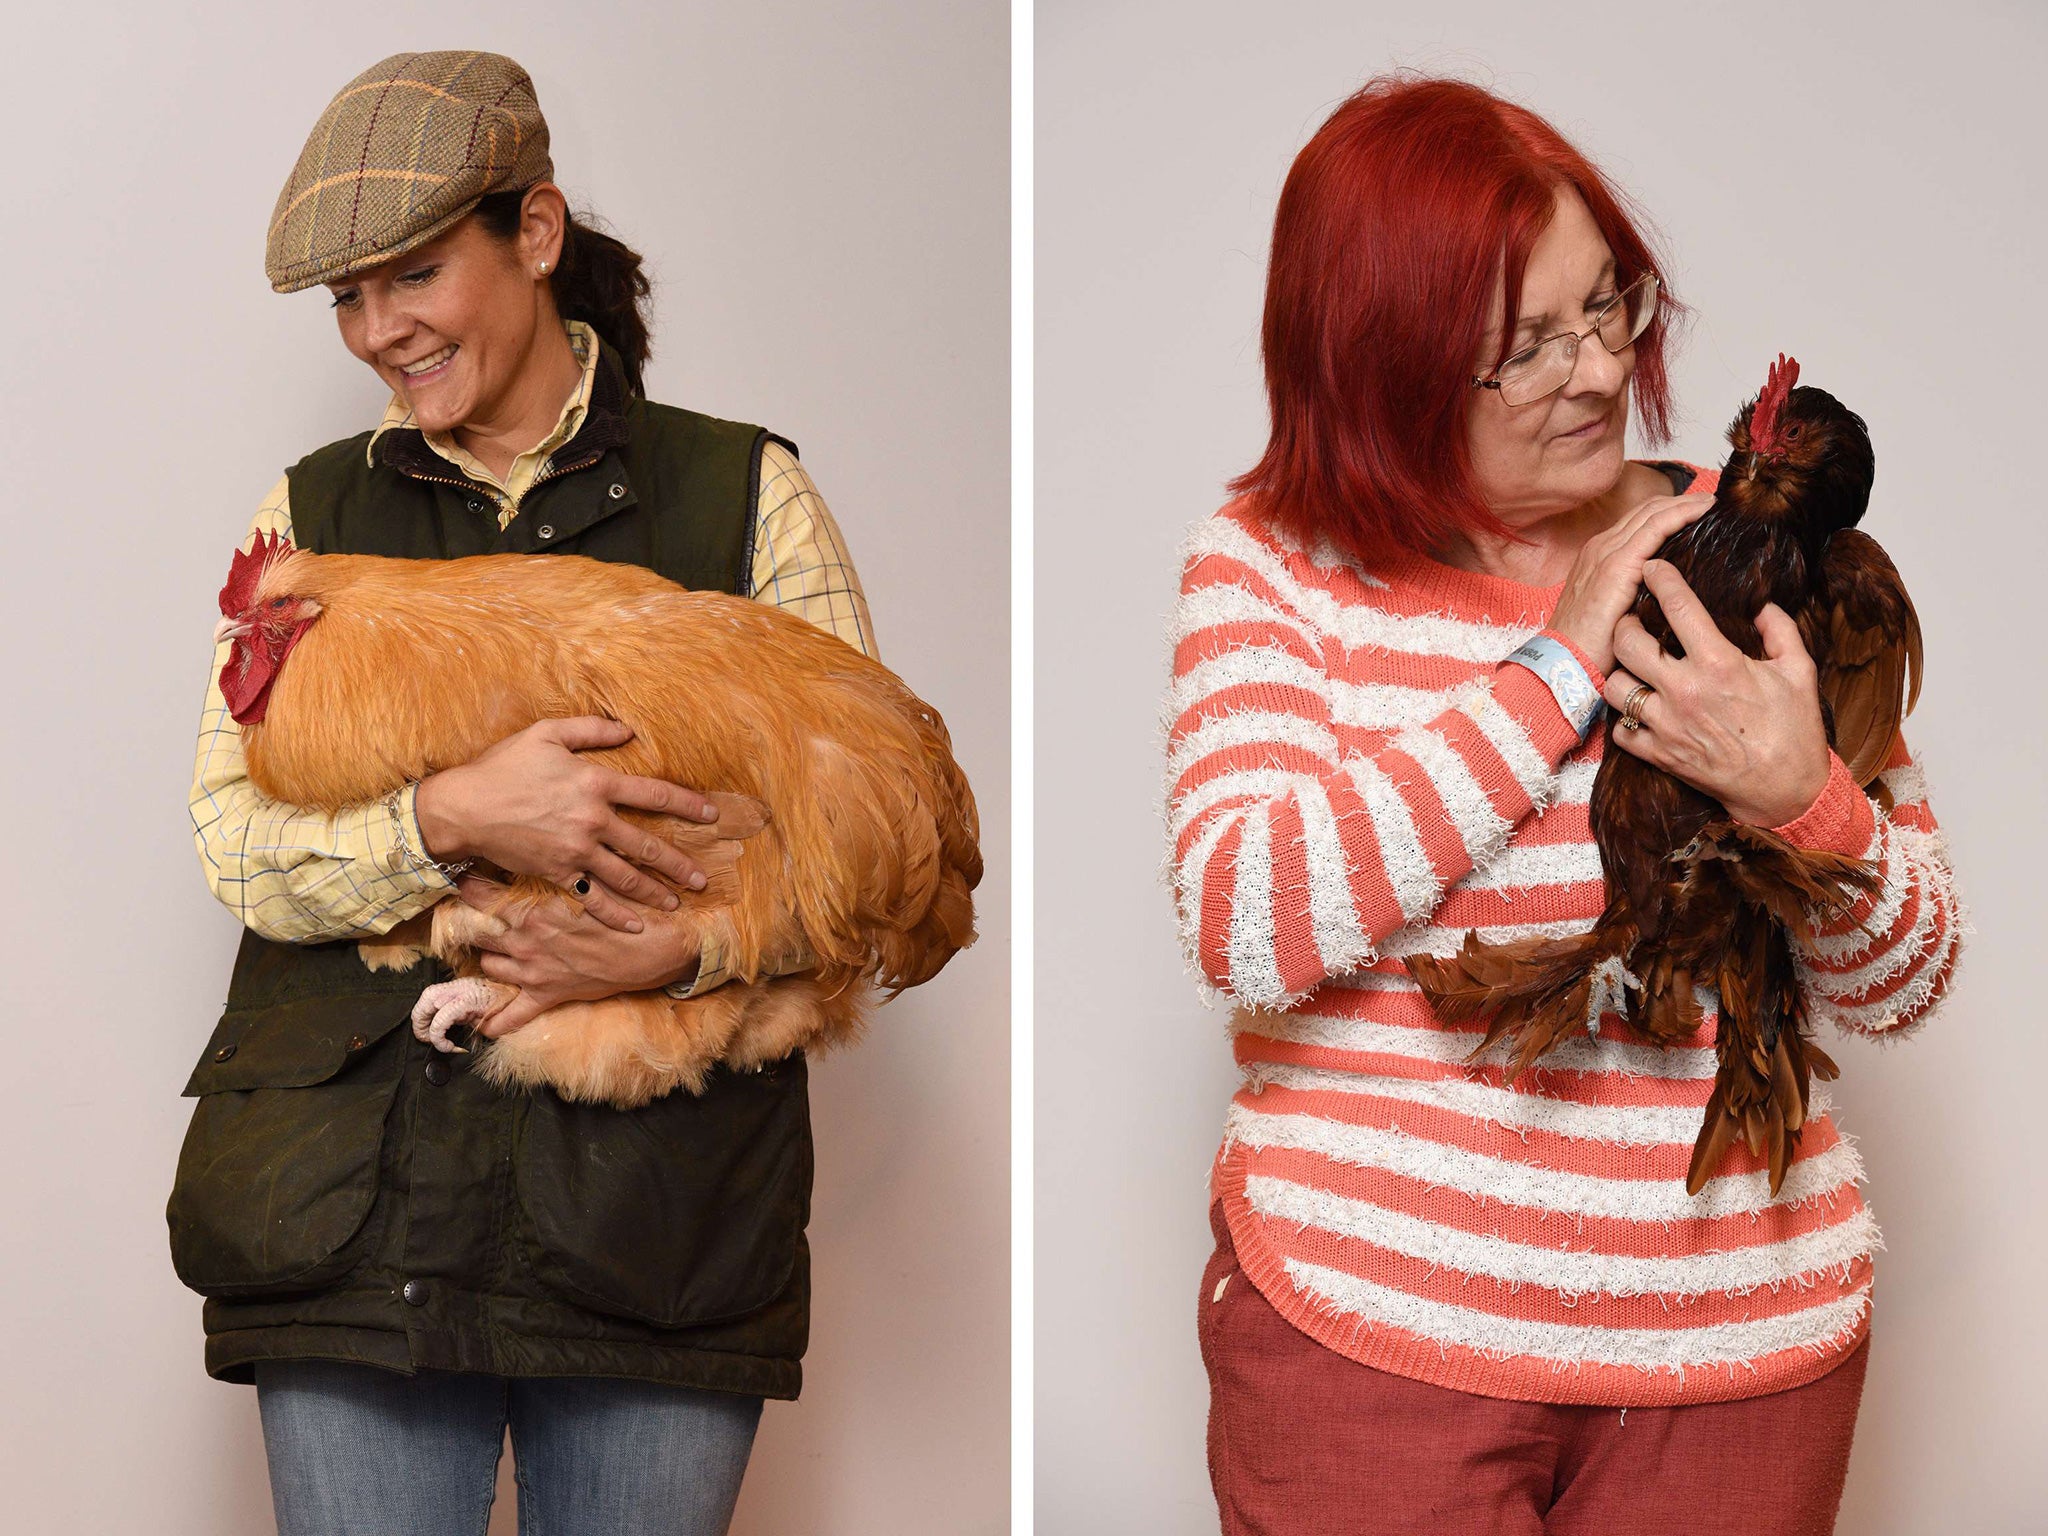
(1607, 572)
(532, 807)
(554, 953)
(1748, 732)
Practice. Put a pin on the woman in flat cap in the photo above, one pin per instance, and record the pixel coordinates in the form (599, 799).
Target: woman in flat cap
(403, 1260)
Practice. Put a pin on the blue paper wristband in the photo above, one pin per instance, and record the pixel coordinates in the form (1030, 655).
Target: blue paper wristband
(1566, 679)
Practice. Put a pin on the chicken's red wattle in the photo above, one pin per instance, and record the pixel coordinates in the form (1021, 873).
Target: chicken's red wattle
(255, 657)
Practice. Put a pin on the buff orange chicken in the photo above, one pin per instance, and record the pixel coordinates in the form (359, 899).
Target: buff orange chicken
(847, 832)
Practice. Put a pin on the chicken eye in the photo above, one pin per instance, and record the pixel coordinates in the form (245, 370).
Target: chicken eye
(279, 602)
(1792, 433)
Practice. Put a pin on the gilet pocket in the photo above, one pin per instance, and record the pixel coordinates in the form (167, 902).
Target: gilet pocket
(685, 1211)
(279, 1165)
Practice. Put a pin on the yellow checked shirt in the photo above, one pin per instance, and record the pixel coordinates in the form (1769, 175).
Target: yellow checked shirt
(298, 875)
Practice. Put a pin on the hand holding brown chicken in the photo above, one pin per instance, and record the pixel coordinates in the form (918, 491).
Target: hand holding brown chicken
(1696, 897)
(846, 830)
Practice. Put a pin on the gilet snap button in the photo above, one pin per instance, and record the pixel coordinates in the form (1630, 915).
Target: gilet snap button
(617, 490)
(415, 1293)
(476, 506)
(547, 530)
(437, 1072)
(356, 1042)
(224, 1053)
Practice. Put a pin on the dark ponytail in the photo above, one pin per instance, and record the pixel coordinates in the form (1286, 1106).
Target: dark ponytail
(598, 281)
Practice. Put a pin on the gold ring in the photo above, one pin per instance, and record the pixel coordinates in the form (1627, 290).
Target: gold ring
(1630, 720)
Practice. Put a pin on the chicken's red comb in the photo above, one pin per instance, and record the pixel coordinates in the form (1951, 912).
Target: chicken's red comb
(245, 570)
(1763, 421)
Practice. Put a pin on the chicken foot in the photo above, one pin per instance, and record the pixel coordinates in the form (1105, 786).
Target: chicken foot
(454, 931)
(466, 999)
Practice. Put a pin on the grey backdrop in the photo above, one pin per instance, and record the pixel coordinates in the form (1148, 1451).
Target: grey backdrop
(823, 193)
(1859, 185)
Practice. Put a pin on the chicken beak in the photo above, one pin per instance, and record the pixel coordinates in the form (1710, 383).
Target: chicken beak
(229, 629)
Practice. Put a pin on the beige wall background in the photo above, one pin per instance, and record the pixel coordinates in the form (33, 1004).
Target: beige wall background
(823, 193)
(1858, 184)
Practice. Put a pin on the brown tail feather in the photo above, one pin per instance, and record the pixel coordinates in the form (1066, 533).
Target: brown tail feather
(1538, 991)
(1667, 1011)
(1717, 1134)
(1761, 1091)
(1780, 877)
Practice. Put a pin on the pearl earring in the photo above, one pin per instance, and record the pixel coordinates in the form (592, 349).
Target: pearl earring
(543, 269)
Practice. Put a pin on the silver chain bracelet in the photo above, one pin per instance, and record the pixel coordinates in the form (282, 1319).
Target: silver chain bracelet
(417, 858)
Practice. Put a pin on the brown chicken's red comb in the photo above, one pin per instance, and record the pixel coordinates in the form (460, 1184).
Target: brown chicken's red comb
(244, 571)
(1763, 421)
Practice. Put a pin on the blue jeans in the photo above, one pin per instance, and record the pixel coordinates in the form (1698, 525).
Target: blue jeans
(355, 1450)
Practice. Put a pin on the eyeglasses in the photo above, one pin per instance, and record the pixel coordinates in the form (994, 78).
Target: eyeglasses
(1542, 368)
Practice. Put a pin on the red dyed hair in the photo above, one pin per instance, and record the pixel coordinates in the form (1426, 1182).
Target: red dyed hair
(1394, 222)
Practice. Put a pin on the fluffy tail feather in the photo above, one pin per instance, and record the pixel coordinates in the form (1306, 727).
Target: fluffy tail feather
(1537, 990)
(1783, 879)
(1761, 1090)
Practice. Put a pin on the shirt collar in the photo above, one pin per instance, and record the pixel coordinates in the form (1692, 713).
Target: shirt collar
(398, 416)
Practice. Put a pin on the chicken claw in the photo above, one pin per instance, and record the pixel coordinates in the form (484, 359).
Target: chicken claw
(441, 1007)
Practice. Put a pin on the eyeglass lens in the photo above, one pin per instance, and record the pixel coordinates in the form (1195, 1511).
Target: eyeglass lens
(1531, 375)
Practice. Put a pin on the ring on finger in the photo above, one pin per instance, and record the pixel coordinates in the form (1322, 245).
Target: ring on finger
(1631, 717)
(580, 885)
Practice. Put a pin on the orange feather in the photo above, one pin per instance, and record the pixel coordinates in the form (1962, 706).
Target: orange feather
(866, 857)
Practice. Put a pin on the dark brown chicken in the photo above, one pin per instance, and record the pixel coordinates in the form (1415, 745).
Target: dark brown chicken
(1694, 896)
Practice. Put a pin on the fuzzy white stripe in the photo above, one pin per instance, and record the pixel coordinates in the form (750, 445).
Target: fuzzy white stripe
(1891, 963)
(1571, 1273)
(1389, 706)
(1861, 938)
(1897, 957)
(1224, 536)
(1715, 1344)
(1254, 972)
(1254, 784)
(1249, 728)
(1340, 939)
(1824, 1175)
(1479, 826)
(1510, 739)
(1907, 784)
(1191, 881)
(1358, 625)
(1402, 855)
(1575, 781)
(1520, 866)
(1635, 1125)
(1578, 1053)
(1357, 706)
(1245, 666)
(1225, 604)
(1907, 1003)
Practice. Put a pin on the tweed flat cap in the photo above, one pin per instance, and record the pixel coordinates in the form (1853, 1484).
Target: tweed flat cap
(404, 150)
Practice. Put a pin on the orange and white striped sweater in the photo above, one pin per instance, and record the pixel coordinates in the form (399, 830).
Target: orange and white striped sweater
(1355, 774)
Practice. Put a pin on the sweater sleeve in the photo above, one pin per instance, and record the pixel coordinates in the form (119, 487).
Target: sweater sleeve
(1293, 859)
(1881, 964)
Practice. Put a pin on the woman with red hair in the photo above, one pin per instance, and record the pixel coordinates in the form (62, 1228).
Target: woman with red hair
(1439, 1302)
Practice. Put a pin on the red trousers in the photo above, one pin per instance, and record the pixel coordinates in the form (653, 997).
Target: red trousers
(1303, 1442)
